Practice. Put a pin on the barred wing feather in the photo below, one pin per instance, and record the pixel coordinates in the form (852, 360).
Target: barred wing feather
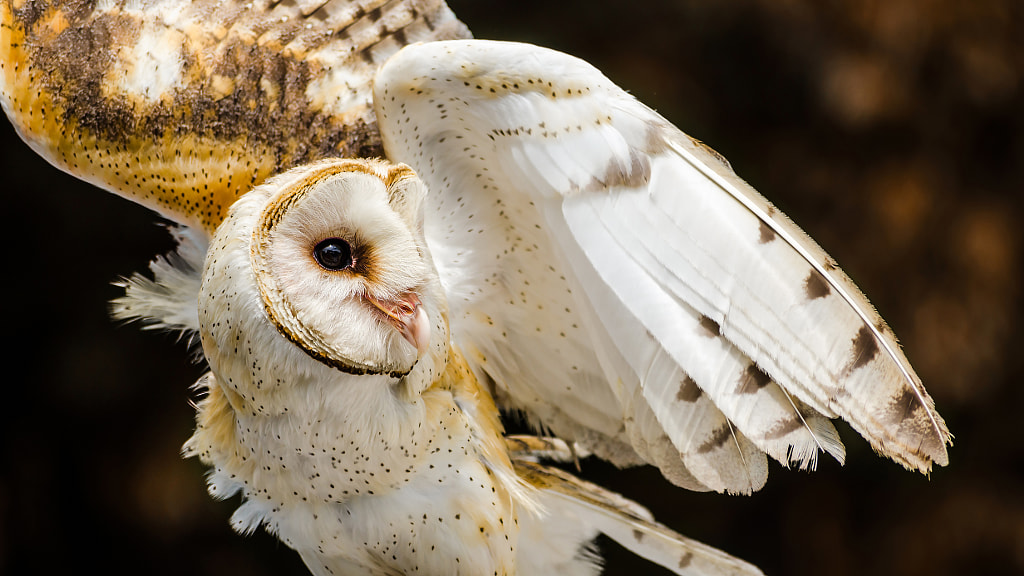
(616, 273)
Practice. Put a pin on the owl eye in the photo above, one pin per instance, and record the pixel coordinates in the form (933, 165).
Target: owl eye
(333, 254)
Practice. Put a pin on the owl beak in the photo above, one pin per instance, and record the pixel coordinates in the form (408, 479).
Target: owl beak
(408, 317)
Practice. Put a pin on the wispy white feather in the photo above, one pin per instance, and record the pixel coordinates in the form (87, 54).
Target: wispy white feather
(167, 301)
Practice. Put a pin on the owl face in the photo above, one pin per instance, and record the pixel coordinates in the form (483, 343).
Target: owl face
(338, 267)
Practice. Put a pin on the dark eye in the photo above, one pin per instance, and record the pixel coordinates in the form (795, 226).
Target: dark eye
(333, 254)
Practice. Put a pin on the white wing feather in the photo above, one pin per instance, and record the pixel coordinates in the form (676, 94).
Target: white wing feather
(621, 259)
(688, 437)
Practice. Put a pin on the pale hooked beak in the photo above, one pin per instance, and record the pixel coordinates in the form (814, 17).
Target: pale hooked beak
(408, 317)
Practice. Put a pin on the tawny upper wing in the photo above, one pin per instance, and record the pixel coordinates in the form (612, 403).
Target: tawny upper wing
(184, 105)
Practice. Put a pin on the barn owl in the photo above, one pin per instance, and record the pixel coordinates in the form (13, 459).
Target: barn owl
(383, 245)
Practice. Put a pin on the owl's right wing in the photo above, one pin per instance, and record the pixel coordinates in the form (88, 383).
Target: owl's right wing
(623, 287)
(183, 105)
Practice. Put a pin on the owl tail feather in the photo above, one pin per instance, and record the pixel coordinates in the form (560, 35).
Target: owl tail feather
(629, 524)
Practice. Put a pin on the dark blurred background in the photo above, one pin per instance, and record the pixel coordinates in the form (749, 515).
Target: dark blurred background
(892, 131)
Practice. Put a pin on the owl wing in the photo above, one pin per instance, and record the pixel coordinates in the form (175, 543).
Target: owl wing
(184, 105)
(621, 286)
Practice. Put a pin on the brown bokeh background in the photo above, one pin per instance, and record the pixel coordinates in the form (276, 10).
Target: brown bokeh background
(892, 131)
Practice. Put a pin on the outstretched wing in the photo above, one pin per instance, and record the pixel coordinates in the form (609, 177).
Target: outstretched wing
(184, 105)
(621, 285)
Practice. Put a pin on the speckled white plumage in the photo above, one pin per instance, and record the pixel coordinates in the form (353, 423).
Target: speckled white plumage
(335, 463)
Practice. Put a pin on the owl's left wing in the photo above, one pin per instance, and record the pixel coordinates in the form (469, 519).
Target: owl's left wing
(623, 287)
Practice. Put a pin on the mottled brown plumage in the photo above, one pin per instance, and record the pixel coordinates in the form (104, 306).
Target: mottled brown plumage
(184, 106)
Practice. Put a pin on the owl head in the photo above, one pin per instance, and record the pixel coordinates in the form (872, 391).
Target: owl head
(324, 268)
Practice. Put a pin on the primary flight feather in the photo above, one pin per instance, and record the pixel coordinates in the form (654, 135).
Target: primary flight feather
(534, 235)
